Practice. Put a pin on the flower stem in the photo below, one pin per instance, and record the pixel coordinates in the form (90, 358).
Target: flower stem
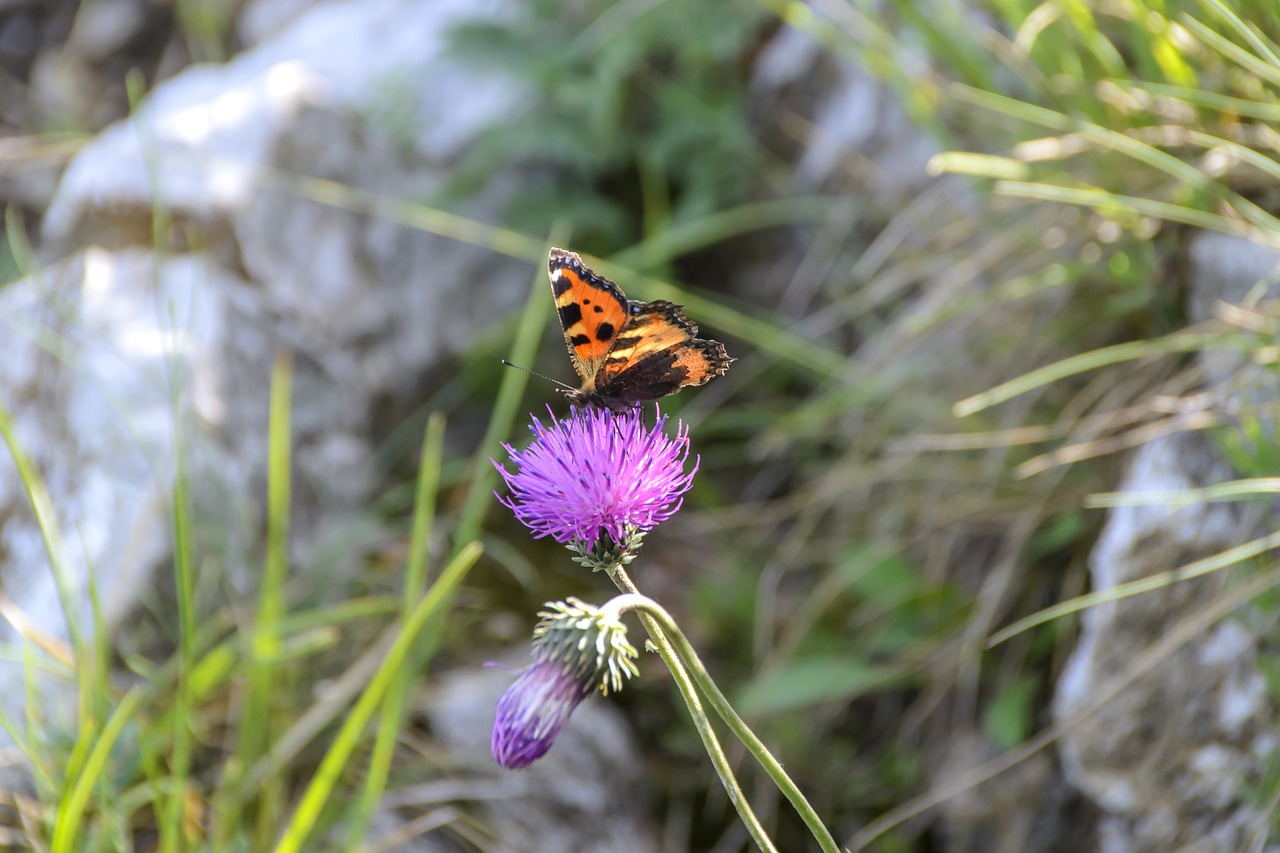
(701, 722)
(649, 612)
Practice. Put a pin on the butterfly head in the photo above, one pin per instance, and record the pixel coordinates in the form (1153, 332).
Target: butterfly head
(584, 398)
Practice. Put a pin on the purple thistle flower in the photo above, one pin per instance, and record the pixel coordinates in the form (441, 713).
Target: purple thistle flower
(576, 648)
(534, 709)
(598, 473)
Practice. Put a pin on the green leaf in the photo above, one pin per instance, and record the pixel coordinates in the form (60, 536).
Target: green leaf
(811, 681)
(876, 576)
(1007, 720)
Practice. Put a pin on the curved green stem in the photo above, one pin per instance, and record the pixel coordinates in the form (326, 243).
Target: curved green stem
(650, 611)
(700, 720)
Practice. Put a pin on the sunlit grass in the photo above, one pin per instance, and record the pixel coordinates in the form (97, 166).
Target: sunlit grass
(988, 415)
(94, 801)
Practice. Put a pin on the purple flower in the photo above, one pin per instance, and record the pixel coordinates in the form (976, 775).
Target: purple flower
(577, 647)
(598, 473)
(534, 709)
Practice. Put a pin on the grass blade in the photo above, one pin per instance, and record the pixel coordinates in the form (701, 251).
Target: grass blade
(46, 520)
(1221, 560)
(483, 477)
(184, 695)
(255, 721)
(415, 576)
(324, 781)
(1108, 203)
(1094, 359)
(72, 808)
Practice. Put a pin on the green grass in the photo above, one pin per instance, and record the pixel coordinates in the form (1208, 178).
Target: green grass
(134, 757)
(1061, 134)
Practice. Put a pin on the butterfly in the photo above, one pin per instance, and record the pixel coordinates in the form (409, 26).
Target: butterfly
(626, 352)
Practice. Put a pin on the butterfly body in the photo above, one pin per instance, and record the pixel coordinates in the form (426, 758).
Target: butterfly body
(626, 352)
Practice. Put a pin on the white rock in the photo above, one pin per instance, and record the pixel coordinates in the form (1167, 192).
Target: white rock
(202, 139)
(365, 304)
(1169, 759)
(105, 354)
(260, 20)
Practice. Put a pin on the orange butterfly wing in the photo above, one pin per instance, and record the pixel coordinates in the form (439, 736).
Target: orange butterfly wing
(657, 354)
(592, 309)
(626, 352)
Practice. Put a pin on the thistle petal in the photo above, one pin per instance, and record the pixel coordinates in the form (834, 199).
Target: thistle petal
(597, 473)
(534, 710)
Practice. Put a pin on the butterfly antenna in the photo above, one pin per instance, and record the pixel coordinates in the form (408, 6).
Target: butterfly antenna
(539, 375)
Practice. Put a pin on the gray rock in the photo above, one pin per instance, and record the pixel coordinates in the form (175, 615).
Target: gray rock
(1229, 269)
(1170, 760)
(1241, 273)
(250, 266)
(108, 356)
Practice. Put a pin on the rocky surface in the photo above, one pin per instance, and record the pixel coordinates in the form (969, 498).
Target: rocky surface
(1170, 761)
(1167, 760)
(109, 357)
(122, 338)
